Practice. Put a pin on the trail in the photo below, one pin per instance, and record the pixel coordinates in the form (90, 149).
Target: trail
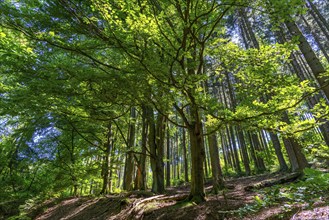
(136, 205)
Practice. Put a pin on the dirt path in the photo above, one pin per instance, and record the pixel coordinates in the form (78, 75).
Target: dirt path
(171, 205)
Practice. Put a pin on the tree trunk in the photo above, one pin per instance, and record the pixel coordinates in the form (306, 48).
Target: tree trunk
(177, 155)
(206, 173)
(316, 38)
(278, 151)
(318, 17)
(168, 159)
(312, 60)
(248, 30)
(185, 156)
(160, 136)
(260, 166)
(217, 176)
(156, 144)
(197, 193)
(244, 151)
(297, 158)
(106, 161)
(235, 150)
(312, 101)
(129, 163)
(141, 183)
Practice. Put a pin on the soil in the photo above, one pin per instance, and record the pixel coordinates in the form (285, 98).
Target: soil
(144, 205)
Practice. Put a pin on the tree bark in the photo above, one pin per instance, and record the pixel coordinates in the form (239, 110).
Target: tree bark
(129, 163)
(160, 136)
(315, 13)
(260, 165)
(106, 161)
(312, 60)
(316, 38)
(185, 156)
(245, 158)
(168, 159)
(297, 158)
(278, 152)
(141, 181)
(217, 176)
(156, 144)
(312, 101)
(235, 150)
(197, 193)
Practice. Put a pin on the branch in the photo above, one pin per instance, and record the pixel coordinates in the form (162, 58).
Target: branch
(141, 153)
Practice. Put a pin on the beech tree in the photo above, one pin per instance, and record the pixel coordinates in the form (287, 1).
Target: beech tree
(124, 84)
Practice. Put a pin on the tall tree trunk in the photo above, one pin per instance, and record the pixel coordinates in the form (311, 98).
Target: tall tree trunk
(177, 156)
(244, 151)
(206, 173)
(185, 156)
(312, 101)
(141, 171)
(156, 144)
(231, 155)
(260, 165)
(129, 163)
(248, 29)
(235, 151)
(168, 159)
(111, 166)
(217, 176)
(324, 30)
(160, 137)
(226, 150)
(316, 38)
(197, 193)
(312, 60)
(297, 158)
(106, 161)
(278, 152)
(226, 164)
(152, 145)
(318, 17)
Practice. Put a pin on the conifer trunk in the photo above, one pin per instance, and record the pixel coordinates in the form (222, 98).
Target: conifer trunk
(185, 157)
(311, 59)
(168, 159)
(278, 152)
(156, 144)
(129, 163)
(106, 161)
(217, 176)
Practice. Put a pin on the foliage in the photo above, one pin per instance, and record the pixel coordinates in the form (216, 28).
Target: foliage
(313, 188)
(71, 70)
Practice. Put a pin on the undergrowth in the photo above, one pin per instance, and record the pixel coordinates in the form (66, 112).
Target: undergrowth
(312, 190)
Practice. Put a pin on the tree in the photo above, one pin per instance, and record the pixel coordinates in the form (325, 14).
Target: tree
(83, 66)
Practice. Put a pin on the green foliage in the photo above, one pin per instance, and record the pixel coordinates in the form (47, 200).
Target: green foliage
(259, 74)
(178, 182)
(69, 69)
(313, 188)
(283, 10)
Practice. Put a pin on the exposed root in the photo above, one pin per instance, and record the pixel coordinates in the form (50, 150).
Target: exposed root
(267, 183)
(135, 209)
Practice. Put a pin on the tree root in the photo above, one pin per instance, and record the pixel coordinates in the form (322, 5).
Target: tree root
(267, 183)
(134, 209)
(228, 211)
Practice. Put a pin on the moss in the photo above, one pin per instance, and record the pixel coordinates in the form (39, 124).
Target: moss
(124, 202)
(183, 204)
(149, 207)
(197, 199)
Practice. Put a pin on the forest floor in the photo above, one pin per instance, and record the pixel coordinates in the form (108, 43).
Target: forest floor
(232, 203)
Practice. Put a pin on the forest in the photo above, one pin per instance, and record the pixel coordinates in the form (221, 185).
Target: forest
(164, 109)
